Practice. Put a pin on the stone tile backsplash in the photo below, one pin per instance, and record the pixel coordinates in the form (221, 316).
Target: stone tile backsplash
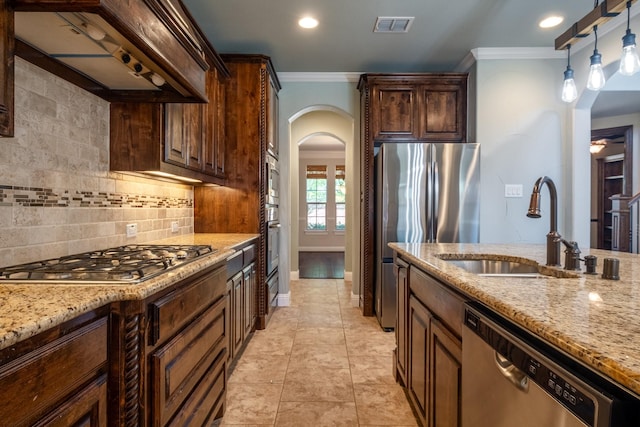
(57, 195)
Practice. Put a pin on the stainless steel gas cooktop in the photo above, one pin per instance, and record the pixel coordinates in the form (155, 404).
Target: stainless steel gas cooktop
(123, 264)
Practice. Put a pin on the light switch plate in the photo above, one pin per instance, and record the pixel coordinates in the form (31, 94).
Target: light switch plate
(513, 190)
(132, 230)
(174, 227)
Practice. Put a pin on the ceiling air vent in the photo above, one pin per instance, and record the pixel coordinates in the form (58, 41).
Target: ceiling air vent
(393, 24)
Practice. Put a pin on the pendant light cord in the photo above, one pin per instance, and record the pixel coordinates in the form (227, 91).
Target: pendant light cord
(595, 33)
(628, 14)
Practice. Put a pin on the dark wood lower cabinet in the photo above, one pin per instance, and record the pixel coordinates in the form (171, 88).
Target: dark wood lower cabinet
(186, 344)
(162, 361)
(242, 294)
(401, 271)
(446, 376)
(178, 367)
(419, 332)
(433, 346)
(58, 378)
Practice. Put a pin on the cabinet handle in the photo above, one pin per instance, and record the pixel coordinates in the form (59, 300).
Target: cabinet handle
(154, 324)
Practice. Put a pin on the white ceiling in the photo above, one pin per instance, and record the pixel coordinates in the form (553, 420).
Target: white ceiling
(442, 34)
(321, 143)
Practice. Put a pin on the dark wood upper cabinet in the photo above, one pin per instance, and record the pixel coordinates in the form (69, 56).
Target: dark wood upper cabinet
(185, 140)
(157, 36)
(417, 107)
(396, 114)
(424, 107)
(7, 70)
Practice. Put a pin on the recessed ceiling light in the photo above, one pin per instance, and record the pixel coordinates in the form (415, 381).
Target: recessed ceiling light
(308, 22)
(551, 21)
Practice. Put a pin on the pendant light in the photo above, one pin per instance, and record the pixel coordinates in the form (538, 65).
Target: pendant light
(569, 91)
(629, 62)
(595, 80)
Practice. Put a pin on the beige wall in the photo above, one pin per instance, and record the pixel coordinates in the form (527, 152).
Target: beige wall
(57, 196)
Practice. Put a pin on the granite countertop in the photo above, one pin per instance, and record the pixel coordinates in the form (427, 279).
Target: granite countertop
(28, 309)
(595, 320)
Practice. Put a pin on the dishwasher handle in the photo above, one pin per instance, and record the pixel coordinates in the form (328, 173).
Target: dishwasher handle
(514, 375)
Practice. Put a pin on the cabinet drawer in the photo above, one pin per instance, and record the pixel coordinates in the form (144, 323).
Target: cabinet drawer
(51, 373)
(178, 366)
(443, 303)
(205, 404)
(249, 254)
(172, 312)
(234, 264)
(87, 408)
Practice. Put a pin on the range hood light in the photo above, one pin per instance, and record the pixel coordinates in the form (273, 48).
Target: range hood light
(94, 32)
(172, 176)
(157, 79)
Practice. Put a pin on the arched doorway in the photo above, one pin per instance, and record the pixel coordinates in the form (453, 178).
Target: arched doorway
(322, 207)
(307, 125)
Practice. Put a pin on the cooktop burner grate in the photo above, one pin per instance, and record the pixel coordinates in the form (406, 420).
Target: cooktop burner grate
(129, 264)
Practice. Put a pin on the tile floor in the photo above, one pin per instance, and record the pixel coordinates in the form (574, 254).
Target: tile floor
(319, 362)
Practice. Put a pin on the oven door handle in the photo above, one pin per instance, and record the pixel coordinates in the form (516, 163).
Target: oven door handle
(511, 373)
(274, 225)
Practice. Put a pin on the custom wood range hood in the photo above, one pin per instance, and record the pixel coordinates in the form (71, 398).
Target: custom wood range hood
(145, 50)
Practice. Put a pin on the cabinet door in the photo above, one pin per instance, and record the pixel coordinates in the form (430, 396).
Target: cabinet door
(193, 135)
(445, 365)
(175, 150)
(419, 333)
(395, 112)
(183, 135)
(272, 118)
(214, 136)
(443, 112)
(248, 292)
(236, 313)
(402, 301)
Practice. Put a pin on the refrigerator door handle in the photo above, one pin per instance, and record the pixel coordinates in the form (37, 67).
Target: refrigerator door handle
(435, 195)
(429, 201)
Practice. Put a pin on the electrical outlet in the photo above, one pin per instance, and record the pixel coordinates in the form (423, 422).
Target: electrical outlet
(174, 227)
(513, 190)
(132, 230)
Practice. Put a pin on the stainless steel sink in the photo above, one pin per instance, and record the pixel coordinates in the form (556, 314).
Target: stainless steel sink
(492, 267)
(500, 265)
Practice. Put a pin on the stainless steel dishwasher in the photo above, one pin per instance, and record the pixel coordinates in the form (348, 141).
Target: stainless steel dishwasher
(512, 379)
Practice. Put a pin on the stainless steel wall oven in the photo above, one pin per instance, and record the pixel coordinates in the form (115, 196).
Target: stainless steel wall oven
(272, 200)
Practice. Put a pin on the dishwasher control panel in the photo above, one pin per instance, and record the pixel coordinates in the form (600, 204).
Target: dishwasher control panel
(562, 390)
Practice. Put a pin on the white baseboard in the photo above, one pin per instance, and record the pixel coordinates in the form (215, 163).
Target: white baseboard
(284, 300)
(355, 300)
(294, 275)
(348, 276)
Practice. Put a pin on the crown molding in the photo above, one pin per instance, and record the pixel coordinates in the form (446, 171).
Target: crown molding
(486, 53)
(338, 77)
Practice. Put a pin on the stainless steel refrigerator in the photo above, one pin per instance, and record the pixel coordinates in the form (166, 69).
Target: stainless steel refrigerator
(424, 193)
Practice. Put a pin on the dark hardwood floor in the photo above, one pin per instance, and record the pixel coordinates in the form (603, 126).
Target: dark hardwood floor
(321, 265)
